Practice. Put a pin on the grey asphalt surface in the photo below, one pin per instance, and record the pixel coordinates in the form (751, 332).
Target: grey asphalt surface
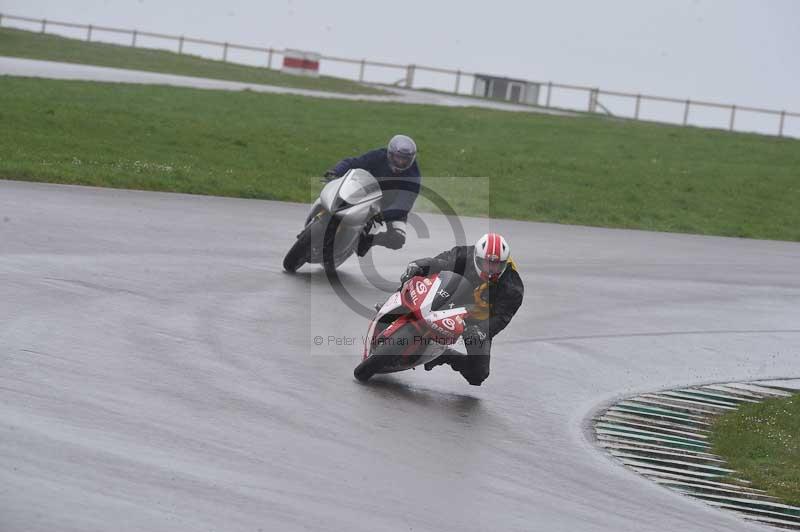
(158, 372)
(13, 66)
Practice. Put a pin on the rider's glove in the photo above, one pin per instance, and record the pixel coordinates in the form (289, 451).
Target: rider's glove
(329, 176)
(412, 270)
(473, 335)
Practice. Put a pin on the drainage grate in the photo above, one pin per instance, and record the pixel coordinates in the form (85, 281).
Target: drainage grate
(663, 436)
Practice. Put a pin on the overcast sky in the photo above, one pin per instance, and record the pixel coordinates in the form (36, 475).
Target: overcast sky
(731, 51)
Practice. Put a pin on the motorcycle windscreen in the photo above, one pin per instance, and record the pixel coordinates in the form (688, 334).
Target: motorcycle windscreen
(357, 187)
(453, 291)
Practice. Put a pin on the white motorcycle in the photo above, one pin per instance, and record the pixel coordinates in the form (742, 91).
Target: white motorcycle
(337, 218)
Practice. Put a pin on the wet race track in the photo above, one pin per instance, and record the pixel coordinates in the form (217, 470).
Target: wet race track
(159, 372)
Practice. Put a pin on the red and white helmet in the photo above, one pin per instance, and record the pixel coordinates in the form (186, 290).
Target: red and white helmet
(491, 256)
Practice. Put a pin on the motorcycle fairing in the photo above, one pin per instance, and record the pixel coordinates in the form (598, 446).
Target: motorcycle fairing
(437, 328)
(352, 196)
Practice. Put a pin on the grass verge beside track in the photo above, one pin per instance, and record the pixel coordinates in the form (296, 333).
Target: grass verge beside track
(28, 45)
(762, 442)
(577, 170)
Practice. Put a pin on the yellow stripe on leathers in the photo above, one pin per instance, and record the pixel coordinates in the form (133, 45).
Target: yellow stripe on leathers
(482, 308)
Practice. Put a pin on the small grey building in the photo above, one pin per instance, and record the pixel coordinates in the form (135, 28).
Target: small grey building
(508, 89)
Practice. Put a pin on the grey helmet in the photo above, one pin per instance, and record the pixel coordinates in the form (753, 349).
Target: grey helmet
(401, 153)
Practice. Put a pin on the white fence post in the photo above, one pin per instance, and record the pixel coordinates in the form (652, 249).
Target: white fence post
(593, 100)
(410, 76)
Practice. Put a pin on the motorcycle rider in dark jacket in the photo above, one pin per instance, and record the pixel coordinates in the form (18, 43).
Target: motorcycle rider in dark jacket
(497, 291)
(397, 172)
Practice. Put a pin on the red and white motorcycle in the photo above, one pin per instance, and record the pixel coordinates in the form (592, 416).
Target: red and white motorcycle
(416, 324)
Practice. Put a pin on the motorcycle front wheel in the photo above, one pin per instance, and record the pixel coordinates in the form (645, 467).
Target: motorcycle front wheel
(299, 253)
(386, 357)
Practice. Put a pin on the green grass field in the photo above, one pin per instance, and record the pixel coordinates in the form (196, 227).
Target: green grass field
(29, 45)
(762, 442)
(582, 170)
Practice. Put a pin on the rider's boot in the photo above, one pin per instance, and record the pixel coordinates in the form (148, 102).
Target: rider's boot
(364, 243)
(452, 357)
